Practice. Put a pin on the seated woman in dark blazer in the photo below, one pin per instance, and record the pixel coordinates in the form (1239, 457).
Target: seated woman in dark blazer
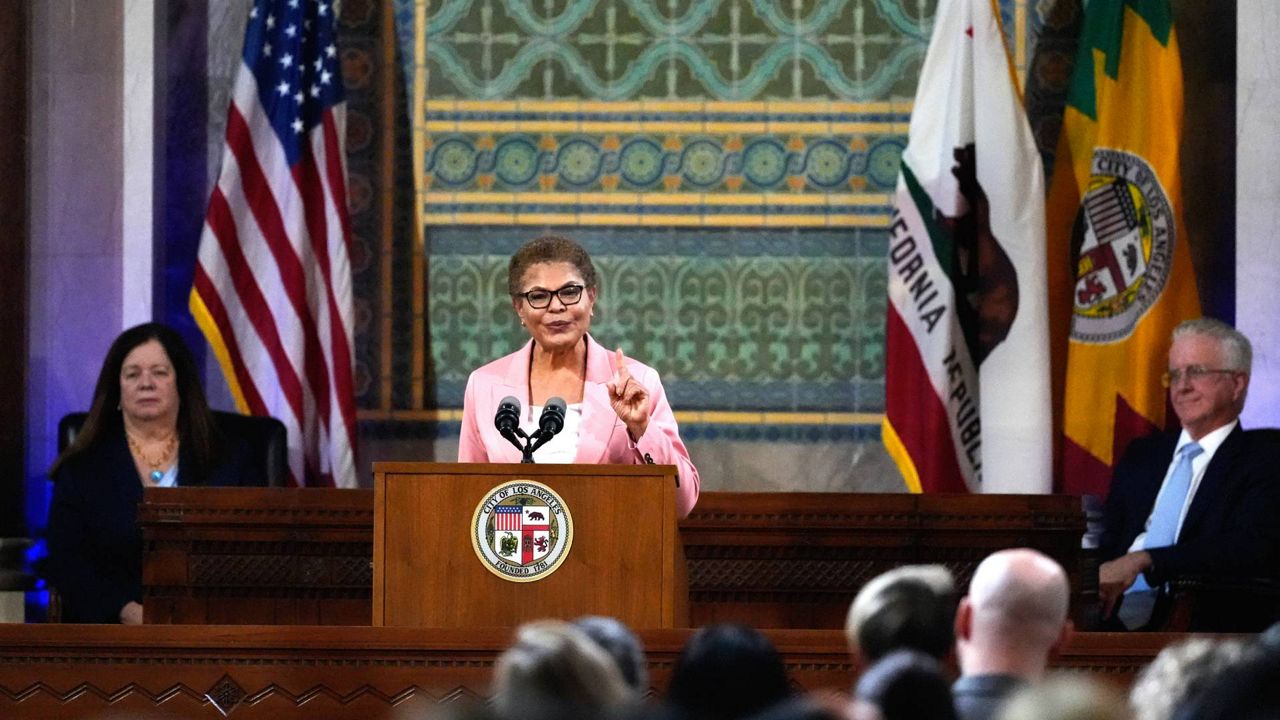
(149, 426)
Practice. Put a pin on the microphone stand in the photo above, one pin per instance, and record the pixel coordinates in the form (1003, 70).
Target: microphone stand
(530, 442)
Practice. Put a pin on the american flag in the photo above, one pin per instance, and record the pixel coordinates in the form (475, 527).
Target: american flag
(272, 289)
(507, 517)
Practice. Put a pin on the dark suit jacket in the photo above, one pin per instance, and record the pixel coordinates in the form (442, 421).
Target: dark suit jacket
(95, 545)
(981, 697)
(1231, 528)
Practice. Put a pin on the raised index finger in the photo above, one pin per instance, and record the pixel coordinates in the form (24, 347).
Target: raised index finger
(620, 370)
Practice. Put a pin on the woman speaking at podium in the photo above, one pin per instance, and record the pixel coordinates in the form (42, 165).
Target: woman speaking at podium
(612, 409)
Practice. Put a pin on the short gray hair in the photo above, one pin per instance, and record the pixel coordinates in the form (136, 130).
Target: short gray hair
(1178, 673)
(623, 646)
(1235, 346)
(912, 606)
(554, 665)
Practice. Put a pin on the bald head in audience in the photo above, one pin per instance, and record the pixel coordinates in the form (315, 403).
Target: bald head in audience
(1014, 616)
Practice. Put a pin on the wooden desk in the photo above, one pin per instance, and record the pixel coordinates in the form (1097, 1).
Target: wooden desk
(782, 560)
(363, 673)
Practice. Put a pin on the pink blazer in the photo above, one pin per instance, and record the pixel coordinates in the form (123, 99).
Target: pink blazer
(604, 438)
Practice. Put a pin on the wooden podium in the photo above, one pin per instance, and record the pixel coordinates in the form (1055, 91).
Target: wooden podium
(624, 558)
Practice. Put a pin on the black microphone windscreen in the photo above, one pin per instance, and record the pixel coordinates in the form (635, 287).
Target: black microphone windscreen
(508, 416)
(552, 420)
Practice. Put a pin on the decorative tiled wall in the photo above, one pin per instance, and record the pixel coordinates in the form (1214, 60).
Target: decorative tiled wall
(728, 164)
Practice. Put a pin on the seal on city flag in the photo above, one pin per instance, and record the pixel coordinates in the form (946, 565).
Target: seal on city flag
(522, 531)
(1125, 234)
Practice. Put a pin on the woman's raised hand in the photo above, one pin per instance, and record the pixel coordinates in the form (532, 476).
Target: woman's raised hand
(630, 399)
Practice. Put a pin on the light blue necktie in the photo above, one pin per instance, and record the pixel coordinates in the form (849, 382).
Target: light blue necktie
(1161, 532)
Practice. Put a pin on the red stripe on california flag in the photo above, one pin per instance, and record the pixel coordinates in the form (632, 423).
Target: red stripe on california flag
(218, 311)
(917, 413)
(251, 299)
(262, 203)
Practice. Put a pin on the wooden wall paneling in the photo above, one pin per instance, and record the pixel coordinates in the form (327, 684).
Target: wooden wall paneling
(783, 560)
(365, 673)
(254, 555)
(797, 559)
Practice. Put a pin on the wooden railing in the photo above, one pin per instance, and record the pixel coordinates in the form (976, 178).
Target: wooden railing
(364, 673)
(779, 560)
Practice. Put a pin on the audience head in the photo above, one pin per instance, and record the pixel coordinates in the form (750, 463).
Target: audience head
(623, 647)
(804, 707)
(727, 672)
(1248, 689)
(912, 607)
(1269, 640)
(904, 685)
(1014, 616)
(554, 669)
(1066, 698)
(129, 392)
(1179, 673)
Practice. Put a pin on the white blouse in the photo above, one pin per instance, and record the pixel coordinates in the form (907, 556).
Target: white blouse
(563, 447)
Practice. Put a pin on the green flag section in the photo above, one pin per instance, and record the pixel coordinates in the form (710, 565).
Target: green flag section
(1121, 272)
(967, 355)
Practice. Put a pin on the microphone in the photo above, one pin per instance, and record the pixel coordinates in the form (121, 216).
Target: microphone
(549, 423)
(552, 419)
(507, 420)
(508, 417)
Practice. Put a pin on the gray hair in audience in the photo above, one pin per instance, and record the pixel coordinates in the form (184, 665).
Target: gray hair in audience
(622, 645)
(1269, 639)
(554, 666)
(1236, 350)
(910, 607)
(1179, 673)
(1066, 697)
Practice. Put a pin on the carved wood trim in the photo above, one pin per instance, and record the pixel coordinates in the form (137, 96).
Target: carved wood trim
(767, 558)
(364, 673)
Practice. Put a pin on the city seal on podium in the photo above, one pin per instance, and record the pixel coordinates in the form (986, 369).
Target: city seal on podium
(522, 531)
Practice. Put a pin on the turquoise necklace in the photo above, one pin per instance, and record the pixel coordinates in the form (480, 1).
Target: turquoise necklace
(156, 473)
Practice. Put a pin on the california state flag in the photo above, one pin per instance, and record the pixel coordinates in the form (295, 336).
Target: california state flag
(967, 403)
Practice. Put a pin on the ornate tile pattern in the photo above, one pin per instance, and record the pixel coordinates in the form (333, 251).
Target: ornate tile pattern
(778, 321)
(646, 113)
(728, 163)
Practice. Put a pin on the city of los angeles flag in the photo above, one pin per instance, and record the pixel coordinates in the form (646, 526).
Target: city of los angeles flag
(1116, 238)
(967, 404)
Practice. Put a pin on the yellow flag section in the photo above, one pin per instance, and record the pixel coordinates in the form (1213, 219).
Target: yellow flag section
(967, 357)
(1115, 218)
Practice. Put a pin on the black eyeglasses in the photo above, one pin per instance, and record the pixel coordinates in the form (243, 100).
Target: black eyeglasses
(539, 298)
(1192, 373)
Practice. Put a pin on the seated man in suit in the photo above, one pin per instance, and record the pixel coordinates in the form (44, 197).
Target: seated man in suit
(1202, 501)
